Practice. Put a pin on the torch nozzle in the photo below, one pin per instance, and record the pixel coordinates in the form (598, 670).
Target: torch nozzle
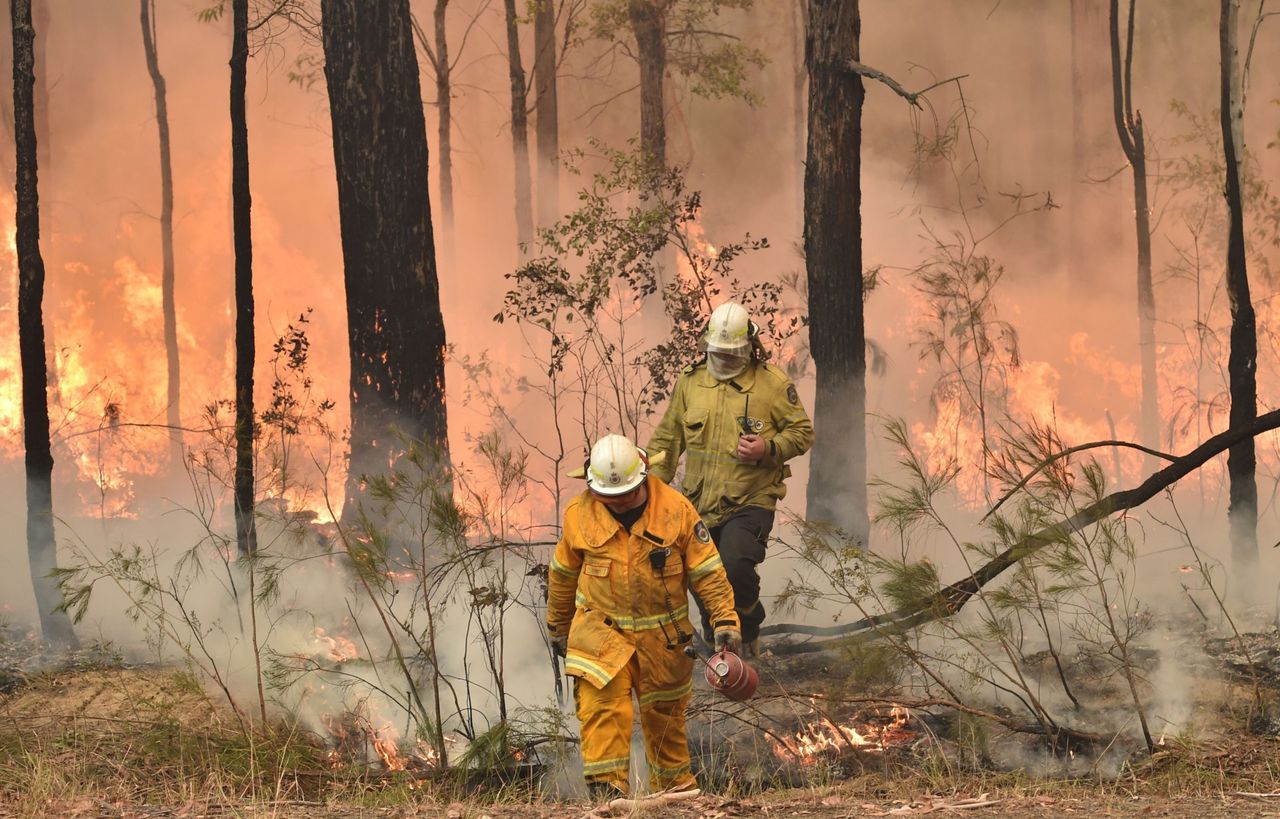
(693, 655)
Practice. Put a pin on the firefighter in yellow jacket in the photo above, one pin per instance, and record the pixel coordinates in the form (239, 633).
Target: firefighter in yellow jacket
(617, 609)
(738, 420)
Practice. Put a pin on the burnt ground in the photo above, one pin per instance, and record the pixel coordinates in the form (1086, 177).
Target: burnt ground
(822, 804)
(86, 735)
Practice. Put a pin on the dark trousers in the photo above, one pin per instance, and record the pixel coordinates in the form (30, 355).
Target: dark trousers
(742, 539)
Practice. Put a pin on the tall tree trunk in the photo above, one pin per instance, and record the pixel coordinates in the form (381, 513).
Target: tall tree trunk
(394, 324)
(173, 413)
(44, 160)
(519, 128)
(1129, 128)
(546, 108)
(444, 124)
(41, 544)
(246, 529)
(44, 145)
(649, 25)
(1242, 363)
(833, 258)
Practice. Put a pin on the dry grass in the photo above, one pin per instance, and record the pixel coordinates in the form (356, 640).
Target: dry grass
(103, 742)
(127, 737)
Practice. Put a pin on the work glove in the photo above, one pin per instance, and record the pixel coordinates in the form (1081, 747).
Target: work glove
(559, 644)
(730, 640)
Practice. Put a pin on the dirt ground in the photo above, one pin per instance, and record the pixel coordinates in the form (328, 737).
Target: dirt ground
(820, 805)
(98, 739)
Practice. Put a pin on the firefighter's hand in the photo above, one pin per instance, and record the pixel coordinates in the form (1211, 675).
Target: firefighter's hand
(751, 448)
(730, 640)
(559, 644)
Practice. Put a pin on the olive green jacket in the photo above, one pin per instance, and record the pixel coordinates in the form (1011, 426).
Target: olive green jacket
(704, 419)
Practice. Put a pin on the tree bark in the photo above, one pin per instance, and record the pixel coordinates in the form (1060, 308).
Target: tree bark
(394, 324)
(246, 529)
(1242, 362)
(1129, 128)
(837, 491)
(444, 124)
(41, 543)
(44, 145)
(649, 25)
(546, 109)
(519, 129)
(173, 416)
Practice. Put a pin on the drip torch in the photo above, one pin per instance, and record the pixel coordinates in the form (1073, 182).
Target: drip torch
(728, 673)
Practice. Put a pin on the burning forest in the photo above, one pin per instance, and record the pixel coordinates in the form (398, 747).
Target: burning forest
(874, 402)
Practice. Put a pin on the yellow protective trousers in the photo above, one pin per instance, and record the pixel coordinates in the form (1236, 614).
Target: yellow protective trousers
(606, 715)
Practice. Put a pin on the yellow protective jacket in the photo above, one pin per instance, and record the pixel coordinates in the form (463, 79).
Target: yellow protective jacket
(704, 420)
(604, 591)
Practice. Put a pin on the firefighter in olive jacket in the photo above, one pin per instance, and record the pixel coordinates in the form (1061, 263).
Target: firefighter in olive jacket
(617, 608)
(738, 421)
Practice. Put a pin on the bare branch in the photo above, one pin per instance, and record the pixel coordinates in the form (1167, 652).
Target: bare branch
(948, 600)
(909, 96)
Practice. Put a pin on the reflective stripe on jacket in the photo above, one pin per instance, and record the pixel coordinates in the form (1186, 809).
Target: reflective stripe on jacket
(704, 420)
(605, 592)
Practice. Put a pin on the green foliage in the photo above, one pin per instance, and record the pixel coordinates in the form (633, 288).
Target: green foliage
(911, 582)
(876, 666)
(1196, 174)
(213, 13)
(599, 266)
(307, 70)
(715, 63)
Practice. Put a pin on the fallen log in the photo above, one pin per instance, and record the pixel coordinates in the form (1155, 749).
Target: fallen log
(951, 598)
(625, 805)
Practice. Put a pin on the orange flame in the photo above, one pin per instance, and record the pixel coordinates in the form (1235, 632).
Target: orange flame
(339, 648)
(823, 737)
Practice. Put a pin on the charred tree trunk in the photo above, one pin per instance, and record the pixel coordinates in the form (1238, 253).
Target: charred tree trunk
(833, 259)
(246, 530)
(649, 24)
(1242, 363)
(394, 325)
(1129, 128)
(519, 129)
(444, 125)
(547, 111)
(169, 309)
(41, 543)
(44, 145)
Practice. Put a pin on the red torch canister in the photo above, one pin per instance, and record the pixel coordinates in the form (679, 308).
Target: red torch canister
(730, 675)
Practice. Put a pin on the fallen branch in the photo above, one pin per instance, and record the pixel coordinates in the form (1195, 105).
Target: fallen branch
(1071, 451)
(950, 599)
(912, 97)
(1255, 795)
(628, 805)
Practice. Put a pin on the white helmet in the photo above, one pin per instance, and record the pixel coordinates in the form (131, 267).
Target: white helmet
(728, 330)
(617, 466)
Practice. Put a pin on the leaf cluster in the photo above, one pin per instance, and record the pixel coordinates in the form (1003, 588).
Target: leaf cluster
(716, 64)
